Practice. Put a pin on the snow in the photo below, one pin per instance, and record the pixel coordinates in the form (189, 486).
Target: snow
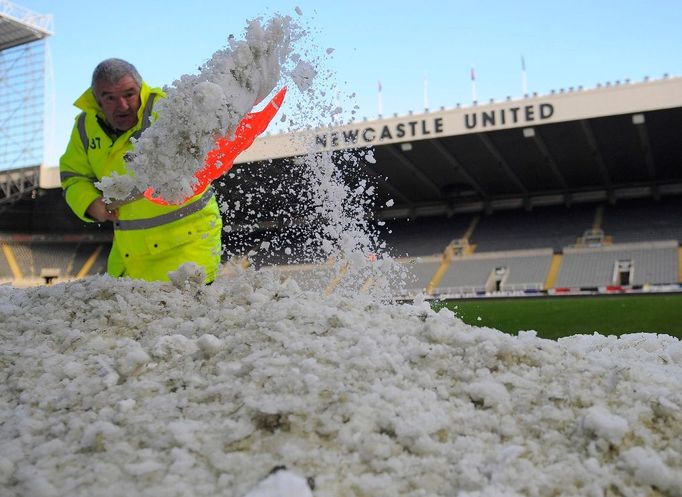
(303, 75)
(605, 424)
(118, 386)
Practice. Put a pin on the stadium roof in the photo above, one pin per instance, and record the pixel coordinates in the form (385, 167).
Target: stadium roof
(16, 183)
(19, 25)
(617, 140)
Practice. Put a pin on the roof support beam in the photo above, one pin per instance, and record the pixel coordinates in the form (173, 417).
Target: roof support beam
(14, 184)
(456, 164)
(591, 140)
(532, 134)
(639, 122)
(400, 157)
(383, 183)
(501, 162)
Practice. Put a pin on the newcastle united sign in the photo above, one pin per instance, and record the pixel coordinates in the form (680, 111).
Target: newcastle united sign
(445, 123)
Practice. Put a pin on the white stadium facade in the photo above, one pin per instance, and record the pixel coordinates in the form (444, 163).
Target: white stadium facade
(570, 146)
(576, 191)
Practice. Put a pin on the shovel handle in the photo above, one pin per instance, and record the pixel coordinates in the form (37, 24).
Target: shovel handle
(115, 204)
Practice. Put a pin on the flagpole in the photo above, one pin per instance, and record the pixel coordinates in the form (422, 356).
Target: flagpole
(473, 85)
(426, 93)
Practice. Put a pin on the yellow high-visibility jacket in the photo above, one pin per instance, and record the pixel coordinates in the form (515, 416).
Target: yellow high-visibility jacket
(149, 239)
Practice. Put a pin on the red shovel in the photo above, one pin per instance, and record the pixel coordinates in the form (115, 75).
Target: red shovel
(220, 159)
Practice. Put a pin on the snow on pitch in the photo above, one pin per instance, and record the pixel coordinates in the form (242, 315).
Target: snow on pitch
(121, 387)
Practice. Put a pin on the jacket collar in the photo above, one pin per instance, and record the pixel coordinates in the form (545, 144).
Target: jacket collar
(88, 103)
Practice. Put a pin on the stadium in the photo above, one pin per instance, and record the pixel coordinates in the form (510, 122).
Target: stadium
(576, 192)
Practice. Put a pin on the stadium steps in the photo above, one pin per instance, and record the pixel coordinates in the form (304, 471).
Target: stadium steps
(455, 248)
(87, 266)
(12, 262)
(440, 272)
(336, 280)
(470, 230)
(553, 273)
(598, 222)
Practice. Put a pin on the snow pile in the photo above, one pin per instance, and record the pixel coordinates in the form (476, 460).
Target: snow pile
(121, 387)
(200, 108)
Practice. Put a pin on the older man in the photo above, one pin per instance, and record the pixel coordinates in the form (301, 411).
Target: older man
(150, 240)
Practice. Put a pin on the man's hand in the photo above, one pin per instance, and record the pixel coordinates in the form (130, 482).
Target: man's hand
(99, 211)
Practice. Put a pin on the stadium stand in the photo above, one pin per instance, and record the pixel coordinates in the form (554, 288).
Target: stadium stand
(649, 263)
(497, 272)
(425, 236)
(561, 247)
(420, 273)
(89, 258)
(50, 259)
(640, 220)
(24, 258)
(547, 227)
(6, 274)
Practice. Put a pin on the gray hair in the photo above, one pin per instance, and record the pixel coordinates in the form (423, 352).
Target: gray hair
(112, 70)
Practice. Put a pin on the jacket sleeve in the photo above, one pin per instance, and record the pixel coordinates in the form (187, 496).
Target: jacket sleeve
(77, 177)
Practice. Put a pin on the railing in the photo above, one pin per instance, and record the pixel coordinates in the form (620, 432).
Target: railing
(15, 183)
(42, 22)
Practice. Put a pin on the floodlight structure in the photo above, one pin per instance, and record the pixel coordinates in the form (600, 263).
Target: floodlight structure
(22, 98)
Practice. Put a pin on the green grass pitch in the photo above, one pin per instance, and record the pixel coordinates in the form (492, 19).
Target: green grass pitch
(555, 317)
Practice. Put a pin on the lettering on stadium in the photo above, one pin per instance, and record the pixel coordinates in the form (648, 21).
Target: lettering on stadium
(512, 115)
(370, 134)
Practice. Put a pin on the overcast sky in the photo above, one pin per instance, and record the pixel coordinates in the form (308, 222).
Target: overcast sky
(400, 43)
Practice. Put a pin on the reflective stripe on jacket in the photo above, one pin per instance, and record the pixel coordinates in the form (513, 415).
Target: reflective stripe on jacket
(149, 239)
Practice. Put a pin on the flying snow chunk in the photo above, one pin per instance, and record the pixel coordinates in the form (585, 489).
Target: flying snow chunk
(116, 186)
(303, 75)
(298, 10)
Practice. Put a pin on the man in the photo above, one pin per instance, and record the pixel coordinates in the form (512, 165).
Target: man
(150, 240)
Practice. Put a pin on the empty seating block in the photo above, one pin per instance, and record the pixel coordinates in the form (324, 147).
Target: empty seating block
(497, 271)
(652, 263)
(644, 221)
(420, 272)
(553, 227)
(423, 236)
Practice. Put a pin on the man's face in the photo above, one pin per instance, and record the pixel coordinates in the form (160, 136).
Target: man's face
(119, 102)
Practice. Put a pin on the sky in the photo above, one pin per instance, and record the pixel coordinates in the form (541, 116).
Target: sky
(401, 44)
